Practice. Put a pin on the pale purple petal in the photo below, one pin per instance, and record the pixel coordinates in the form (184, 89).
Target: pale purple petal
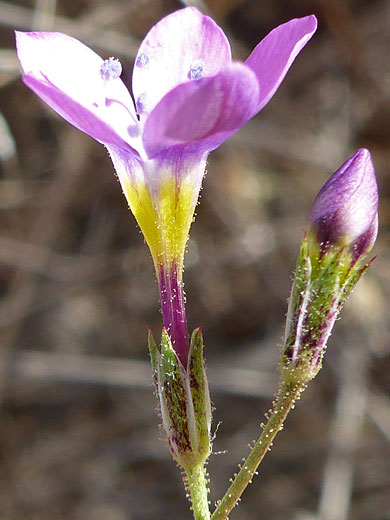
(200, 115)
(273, 56)
(184, 46)
(67, 75)
(346, 208)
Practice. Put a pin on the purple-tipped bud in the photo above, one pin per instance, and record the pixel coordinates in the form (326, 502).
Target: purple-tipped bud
(342, 228)
(345, 211)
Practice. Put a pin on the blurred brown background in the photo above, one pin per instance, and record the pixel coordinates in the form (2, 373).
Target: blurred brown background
(79, 434)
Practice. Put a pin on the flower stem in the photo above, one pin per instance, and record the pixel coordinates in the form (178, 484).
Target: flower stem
(284, 401)
(197, 486)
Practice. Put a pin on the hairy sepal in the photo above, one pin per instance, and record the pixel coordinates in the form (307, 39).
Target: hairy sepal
(184, 399)
(320, 288)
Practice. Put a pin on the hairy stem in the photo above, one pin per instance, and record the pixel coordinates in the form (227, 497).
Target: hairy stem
(173, 309)
(284, 401)
(197, 486)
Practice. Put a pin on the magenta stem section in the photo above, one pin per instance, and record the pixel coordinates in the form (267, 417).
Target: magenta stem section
(173, 310)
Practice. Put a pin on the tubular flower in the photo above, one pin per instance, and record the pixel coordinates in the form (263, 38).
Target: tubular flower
(342, 228)
(189, 97)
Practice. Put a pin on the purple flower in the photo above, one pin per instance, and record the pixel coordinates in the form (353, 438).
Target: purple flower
(189, 97)
(345, 211)
(188, 93)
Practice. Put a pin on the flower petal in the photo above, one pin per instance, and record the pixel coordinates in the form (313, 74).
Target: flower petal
(346, 208)
(184, 45)
(200, 115)
(67, 75)
(273, 56)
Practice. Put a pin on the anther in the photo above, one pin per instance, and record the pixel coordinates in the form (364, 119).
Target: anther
(142, 60)
(110, 69)
(196, 70)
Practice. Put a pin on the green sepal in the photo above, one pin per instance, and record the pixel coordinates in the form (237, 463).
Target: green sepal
(321, 285)
(354, 276)
(154, 357)
(184, 399)
(325, 294)
(299, 296)
(200, 392)
(176, 404)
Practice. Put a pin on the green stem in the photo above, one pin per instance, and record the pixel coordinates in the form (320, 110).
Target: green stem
(197, 486)
(284, 401)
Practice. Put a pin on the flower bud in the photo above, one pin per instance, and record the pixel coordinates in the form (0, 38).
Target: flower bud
(345, 211)
(342, 228)
(184, 399)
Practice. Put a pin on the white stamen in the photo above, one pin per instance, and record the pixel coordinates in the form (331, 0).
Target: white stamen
(196, 70)
(110, 69)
